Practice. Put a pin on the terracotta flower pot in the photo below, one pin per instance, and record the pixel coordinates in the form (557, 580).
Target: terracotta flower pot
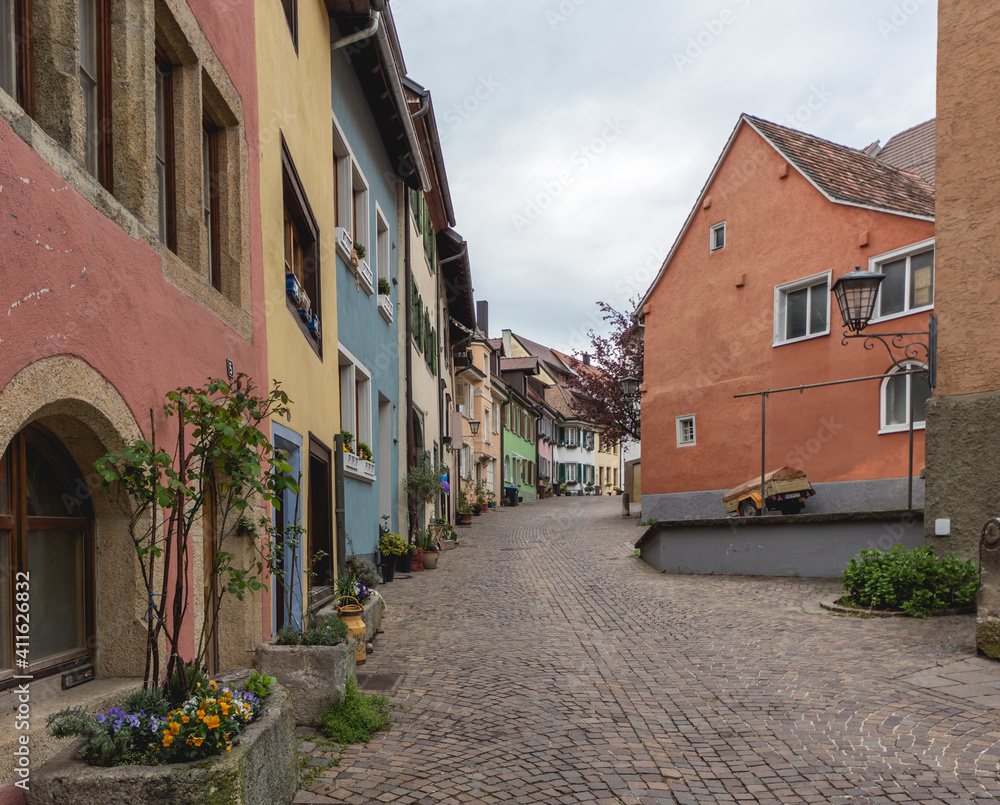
(430, 560)
(418, 561)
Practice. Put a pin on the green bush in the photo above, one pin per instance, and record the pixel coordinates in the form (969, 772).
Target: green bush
(331, 632)
(914, 580)
(356, 718)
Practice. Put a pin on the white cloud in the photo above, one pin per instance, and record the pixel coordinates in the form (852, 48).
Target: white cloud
(558, 83)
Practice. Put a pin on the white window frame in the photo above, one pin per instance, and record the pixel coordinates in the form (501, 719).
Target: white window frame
(682, 441)
(343, 159)
(383, 258)
(364, 224)
(356, 385)
(719, 227)
(904, 426)
(570, 472)
(875, 264)
(488, 429)
(780, 318)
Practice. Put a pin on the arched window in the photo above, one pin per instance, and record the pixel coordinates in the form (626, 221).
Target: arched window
(896, 391)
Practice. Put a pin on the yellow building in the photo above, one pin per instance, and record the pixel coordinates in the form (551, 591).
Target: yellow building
(298, 217)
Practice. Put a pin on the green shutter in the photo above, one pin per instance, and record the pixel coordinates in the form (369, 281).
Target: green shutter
(562, 473)
(579, 473)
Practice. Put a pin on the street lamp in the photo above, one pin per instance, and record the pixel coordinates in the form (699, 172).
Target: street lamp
(474, 426)
(630, 385)
(856, 295)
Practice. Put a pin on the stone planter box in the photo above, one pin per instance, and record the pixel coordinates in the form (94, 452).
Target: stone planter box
(312, 674)
(262, 769)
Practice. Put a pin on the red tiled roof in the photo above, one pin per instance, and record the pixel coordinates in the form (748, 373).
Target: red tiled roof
(848, 175)
(527, 363)
(541, 352)
(912, 150)
(495, 343)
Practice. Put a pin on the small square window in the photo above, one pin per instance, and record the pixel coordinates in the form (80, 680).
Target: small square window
(717, 237)
(685, 431)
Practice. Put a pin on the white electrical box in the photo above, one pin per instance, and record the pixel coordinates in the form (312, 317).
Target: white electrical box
(942, 527)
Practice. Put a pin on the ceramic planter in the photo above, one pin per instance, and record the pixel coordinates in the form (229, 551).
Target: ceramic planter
(430, 560)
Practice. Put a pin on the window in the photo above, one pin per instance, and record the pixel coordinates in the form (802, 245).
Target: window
(210, 200)
(802, 309)
(486, 422)
(909, 281)
(302, 248)
(717, 237)
(16, 52)
(359, 206)
(165, 177)
(355, 398)
(95, 81)
(291, 8)
(685, 430)
(896, 391)
(383, 267)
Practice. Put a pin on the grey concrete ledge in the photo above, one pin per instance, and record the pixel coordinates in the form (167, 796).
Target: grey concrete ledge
(262, 769)
(786, 520)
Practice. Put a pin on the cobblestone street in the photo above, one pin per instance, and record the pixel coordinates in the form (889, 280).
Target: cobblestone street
(542, 663)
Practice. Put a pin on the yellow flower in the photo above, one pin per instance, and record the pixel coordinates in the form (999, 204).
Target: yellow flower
(213, 686)
(200, 714)
(211, 722)
(197, 741)
(168, 739)
(186, 719)
(175, 728)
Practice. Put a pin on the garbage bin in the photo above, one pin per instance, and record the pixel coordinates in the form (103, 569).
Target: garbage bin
(510, 493)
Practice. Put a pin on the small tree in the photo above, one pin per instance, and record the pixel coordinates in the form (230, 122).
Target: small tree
(599, 395)
(221, 462)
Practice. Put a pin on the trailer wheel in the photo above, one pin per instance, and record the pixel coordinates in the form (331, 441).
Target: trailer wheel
(748, 509)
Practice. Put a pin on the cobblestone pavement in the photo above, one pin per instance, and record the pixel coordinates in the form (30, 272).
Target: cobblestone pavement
(541, 663)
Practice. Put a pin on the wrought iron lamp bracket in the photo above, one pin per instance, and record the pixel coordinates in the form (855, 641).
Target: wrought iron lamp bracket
(900, 349)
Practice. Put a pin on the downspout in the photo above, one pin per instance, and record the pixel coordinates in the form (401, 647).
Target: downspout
(410, 435)
(339, 511)
(443, 501)
(357, 36)
(425, 104)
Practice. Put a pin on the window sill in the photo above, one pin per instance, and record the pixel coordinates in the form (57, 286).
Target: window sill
(359, 468)
(892, 316)
(901, 428)
(803, 338)
(687, 444)
(385, 307)
(312, 341)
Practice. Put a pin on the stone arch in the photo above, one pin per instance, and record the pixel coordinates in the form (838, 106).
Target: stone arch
(78, 406)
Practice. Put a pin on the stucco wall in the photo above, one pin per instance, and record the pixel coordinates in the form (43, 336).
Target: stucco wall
(709, 334)
(963, 439)
(361, 329)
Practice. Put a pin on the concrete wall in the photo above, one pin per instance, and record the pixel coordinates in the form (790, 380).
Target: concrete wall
(808, 545)
(710, 329)
(886, 494)
(963, 436)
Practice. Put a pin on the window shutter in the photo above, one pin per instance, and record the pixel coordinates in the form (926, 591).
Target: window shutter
(562, 472)
(579, 473)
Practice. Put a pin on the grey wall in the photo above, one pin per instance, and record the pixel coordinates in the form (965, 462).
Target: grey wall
(845, 496)
(805, 545)
(963, 468)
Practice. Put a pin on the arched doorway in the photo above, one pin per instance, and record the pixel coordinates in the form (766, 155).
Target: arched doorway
(47, 536)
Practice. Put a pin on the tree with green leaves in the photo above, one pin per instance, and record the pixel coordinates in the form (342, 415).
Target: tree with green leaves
(220, 468)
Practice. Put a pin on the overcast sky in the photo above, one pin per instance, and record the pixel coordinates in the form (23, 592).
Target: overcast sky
(577, 133)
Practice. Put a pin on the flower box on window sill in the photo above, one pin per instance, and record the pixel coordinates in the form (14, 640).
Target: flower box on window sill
(295, 291)
(352, 462)
(365, 275)
(345, 242)
(314, 328)
(385, 306)
(357, 467)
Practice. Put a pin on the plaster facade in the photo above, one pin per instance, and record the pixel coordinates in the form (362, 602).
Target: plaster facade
(711, 333)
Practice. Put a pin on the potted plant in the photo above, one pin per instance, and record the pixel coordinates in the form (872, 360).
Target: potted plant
(390, 546)
(357, 253)
(428, 543)
(481, 500)
(384, 287)
(404, 562)
(491, 500)
(364, 451)
(618, 490)
(348, 438)
(589, 489)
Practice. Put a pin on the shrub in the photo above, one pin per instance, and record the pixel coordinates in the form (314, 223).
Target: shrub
(259, 684)
(391, 544)
(151, 701)
(914, 580)
(328, 633)
(366, 572)
(288, 636)
(356, 718)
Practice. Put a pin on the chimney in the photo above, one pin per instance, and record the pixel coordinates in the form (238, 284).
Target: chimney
(483, 317)
(506, 343)
(586, 359)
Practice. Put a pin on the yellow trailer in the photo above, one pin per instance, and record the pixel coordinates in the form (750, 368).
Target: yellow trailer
(785, 490)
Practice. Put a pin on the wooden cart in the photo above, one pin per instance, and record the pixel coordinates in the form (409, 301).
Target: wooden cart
(785, 490)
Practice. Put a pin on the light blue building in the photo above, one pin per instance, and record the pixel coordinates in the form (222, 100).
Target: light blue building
(377, 156)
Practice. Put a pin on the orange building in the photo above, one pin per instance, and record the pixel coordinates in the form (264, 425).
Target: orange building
(742, 304)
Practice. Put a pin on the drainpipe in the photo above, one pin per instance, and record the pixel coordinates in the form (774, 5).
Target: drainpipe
(408, 280)
(425, 104)
(339, 512)
(364, 33)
